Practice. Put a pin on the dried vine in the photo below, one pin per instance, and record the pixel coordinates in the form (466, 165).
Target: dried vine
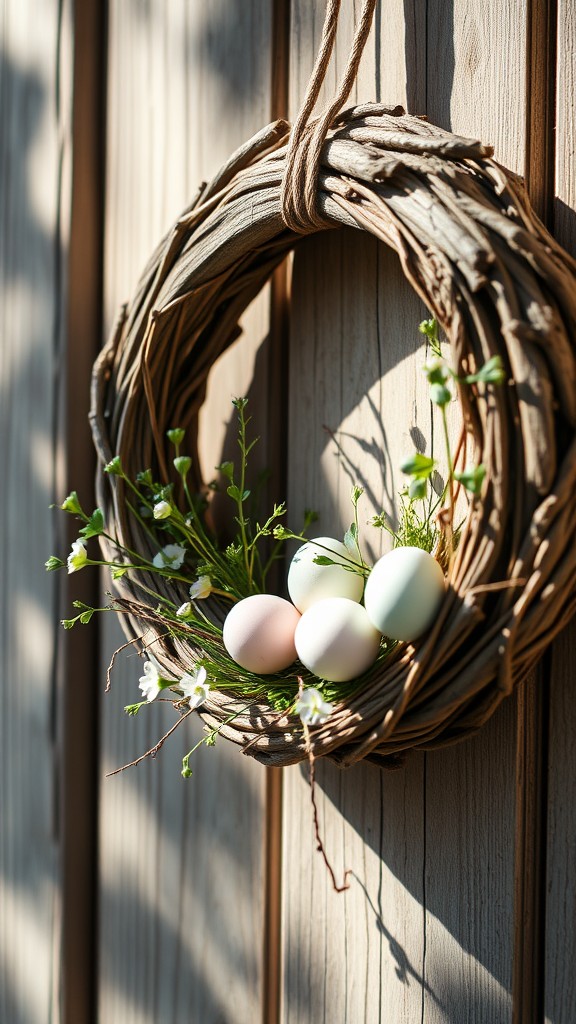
(473, 249)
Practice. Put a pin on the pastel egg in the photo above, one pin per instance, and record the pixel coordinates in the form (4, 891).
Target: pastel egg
(309, 582)
(336, 640)
(404, 592)
(259, 633)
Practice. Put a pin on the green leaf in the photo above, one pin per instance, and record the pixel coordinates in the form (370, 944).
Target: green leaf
(118, 573)
(246, 495)
(234, 492)
(95, 525)
(145, 477)
(420, 466)
(351, 537)
(227, 469)
(176, 435)
(472, 478)
(491, 373)
(69, 623)
(325, 560)
(356, 494)
(72, 504)
(86, 616)
(418, 488)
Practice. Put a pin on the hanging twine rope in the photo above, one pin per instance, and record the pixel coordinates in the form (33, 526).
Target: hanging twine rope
(299, 191)
(473, 249)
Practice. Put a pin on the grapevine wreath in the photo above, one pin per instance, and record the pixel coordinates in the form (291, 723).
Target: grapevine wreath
(502, 291)
(498, 285)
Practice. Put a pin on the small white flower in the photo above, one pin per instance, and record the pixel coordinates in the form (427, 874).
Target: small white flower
(184, 610)
(162, 510)
(170, 557)
(194, 687)
(201, 588)
(77, 557)
(311, 708)
(150, 683)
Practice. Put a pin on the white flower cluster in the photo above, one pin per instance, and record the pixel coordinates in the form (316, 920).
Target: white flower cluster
(194, 686)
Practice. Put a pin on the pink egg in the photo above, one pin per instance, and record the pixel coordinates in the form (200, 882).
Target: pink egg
(259, 633)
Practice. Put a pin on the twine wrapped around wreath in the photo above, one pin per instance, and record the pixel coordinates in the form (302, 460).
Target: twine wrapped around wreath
(473, 249)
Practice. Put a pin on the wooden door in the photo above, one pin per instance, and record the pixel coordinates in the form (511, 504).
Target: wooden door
(148, 898)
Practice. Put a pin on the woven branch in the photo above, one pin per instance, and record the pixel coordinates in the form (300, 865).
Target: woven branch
(473, 249)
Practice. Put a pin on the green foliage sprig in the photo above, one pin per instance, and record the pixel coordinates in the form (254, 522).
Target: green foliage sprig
(189, 553)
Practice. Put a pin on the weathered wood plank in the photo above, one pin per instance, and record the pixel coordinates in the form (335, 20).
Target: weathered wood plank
(453, 844)
(560, 989)
(354, 368)
(35, 92)
(475, 85)
(348, 366)
(181, 895)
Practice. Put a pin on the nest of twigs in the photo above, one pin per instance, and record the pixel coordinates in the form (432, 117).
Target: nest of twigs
(498, 283)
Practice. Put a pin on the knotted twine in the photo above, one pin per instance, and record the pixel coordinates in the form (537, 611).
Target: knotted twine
(473, 249)
(299, 192)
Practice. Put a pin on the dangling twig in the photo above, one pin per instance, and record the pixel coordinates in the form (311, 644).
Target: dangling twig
(312, 779)
(319, 844)
(153, 750)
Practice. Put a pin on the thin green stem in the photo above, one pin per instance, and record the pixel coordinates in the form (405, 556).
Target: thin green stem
(212, 734)
(142, 522)
(240, 500)
(450, 482)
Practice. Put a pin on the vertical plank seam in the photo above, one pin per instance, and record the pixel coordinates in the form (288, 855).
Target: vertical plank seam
(276, 437)
(541, 60)
(528, 982)
(78, 713)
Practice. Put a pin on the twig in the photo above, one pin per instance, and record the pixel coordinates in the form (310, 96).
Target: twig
(319, 844)
(135, 640)
(153, 750)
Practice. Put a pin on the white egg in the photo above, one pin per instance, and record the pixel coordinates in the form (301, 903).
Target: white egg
(259, 633)
(309, 582)
(336, 640)
(404, 592)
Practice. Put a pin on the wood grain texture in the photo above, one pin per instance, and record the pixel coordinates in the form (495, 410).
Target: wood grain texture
(355, 368)
(357, 957)
(181, 861)
(35, 94)
(560, 888)
(78, 739)
(475, 81)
